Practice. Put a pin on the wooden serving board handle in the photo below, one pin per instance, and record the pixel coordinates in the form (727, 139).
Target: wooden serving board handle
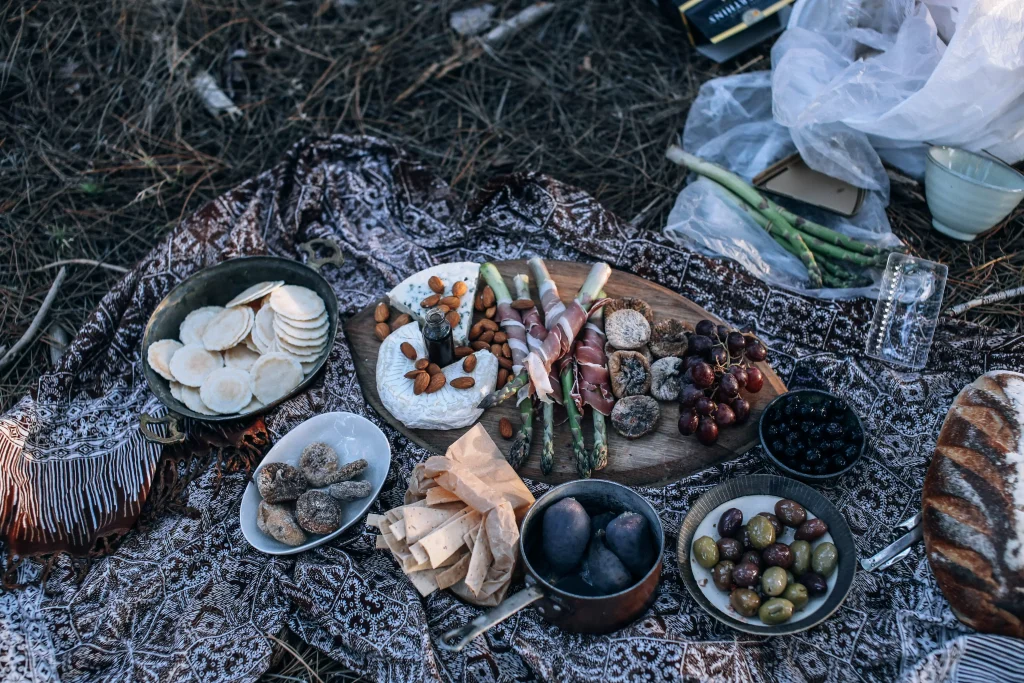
(656, 459)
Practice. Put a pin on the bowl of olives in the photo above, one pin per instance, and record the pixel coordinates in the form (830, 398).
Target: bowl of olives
(767, 555)
(811, 435)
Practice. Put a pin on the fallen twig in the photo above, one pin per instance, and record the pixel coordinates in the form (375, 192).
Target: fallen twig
(985, 300)
(60, 342)
(82, 262)
(492, 39)
(37, 321)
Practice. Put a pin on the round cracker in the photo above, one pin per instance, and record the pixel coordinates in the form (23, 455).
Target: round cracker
(320, 341)
(176, 389)
(283, 328)
(297, 303)
(318, 321)
(274, 375)
(191, 364)
(190, 397)
(303, 353)
(159, 355)
(226, 390)
(254, 292)
(308, 367)
(192, 327)
(228, 328)
(241, 357)
(254, 404)
(250, 344)
(263, 329)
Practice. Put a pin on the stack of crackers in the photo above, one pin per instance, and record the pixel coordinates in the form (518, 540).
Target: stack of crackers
(459, 527)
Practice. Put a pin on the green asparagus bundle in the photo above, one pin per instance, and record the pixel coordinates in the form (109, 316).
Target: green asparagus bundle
(825, 252)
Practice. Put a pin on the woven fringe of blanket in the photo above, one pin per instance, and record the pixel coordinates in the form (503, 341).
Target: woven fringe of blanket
(187, 598)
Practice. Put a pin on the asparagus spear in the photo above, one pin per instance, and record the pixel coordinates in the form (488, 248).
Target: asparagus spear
(766, 206)
(547, 453)
(579, 450)
(599, 455)
(519, 451)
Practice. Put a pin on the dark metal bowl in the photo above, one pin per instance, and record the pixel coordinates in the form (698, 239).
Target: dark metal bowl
(783, 487)
(215, 286)
(809, 396)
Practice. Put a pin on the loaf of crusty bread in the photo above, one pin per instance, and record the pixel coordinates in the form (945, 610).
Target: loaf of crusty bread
(973, 505)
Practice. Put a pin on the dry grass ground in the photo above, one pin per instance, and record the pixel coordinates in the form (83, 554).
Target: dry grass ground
(104, 145)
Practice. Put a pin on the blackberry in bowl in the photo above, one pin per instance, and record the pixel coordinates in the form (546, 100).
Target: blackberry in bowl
(811, 435)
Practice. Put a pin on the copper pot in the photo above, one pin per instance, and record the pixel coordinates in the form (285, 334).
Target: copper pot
(567, 610)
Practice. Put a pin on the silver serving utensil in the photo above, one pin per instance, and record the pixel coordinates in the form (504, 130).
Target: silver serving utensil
(898, 549)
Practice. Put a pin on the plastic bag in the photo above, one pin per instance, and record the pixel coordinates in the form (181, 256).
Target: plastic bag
(855, 79)
(854, 82)
(730, 123)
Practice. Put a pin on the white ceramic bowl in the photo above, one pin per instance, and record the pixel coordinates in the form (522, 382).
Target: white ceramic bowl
(353, 437)
(969, 193)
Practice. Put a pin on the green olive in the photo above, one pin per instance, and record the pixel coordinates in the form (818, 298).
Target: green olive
(773, 581)
(796, 594)
(789, 577)
(801, 557)
(762, 533)
(775, 611)
(745, 601)
(824, 559)
(705, 550)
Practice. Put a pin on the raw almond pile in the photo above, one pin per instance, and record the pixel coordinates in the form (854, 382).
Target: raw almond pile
(427, 377)
(486, 334)
(447, 304)
(250, 352)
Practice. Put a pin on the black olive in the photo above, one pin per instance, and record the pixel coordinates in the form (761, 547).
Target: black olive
(813, 456)
(771, 430)
(777, 447)
(791, 452)
(821, 468)
(850, 452)
(729, 549)
(730, 522)
(753, 557)
(805, 410)
(834, 429)
(814, 583)
(789, 409)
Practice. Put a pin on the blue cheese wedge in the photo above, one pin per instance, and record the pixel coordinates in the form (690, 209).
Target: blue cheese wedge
(447, 408)
(408, 296)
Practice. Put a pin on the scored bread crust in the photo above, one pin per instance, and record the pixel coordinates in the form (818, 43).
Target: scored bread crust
(973, 505)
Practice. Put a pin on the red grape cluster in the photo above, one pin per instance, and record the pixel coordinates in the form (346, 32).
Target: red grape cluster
(716, 368)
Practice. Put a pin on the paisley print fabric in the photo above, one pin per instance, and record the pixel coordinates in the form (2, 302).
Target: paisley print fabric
(186, 598)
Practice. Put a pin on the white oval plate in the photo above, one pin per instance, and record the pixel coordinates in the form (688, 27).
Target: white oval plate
(353, 437)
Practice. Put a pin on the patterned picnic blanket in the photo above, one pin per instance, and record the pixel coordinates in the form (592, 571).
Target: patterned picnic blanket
(185, 598)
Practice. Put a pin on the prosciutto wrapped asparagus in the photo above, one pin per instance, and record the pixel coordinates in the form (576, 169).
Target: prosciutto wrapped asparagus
(595, 381)
(519, 451)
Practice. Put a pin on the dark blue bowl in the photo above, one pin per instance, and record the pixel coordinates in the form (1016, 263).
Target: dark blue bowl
(812, 396)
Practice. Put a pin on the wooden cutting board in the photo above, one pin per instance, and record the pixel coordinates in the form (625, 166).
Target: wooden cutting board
(656, 459)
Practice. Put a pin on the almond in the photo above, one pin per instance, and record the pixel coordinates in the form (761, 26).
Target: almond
(463, 382)
(413, 374)
(463, 351)
(488, 296)
(487, 336)
(430, 301)
(522, 304)
(451, 301)
(460, 288)
(469, 364)
(443, 308)
(408, 350)
(500, 337)
(436, 284)
(382, 312)
(505, 362)
(491, 311)
(502, 377)
(401, 320)
(436, 382)
(506, 350)
(434, 369)
(496, 350)
(475, 331)
(480, 345)
(489, 325)
(420, 384)
(453, 318)
(422, 363)
(478, 302)
(382, 331)
(505, 428)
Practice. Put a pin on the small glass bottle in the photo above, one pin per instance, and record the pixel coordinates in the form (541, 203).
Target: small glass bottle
(437, 335)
